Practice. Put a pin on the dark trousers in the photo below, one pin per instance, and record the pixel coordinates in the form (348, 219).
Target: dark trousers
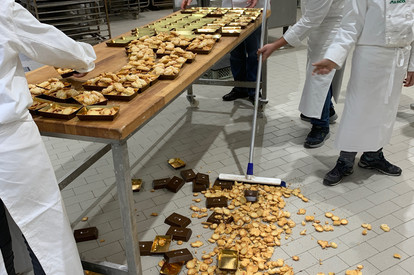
(7, 250)
(324, 120)
(6, 242)
(244, 62)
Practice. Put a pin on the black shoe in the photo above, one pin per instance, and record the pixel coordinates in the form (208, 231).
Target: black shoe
(332, 116)
(341, 170)
(380, 164)
(251, 98)
(234, 94)
(316, 136)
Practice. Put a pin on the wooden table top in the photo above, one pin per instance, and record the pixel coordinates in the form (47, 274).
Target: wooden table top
(137, 111)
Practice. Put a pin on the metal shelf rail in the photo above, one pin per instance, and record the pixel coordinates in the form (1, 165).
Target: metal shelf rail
(162, 3)
(82, 20)
(124, 7)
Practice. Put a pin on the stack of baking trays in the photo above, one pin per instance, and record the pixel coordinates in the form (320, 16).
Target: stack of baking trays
(155, 52)
(82, 20)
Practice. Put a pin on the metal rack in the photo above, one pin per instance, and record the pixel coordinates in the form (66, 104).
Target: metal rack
(82, 20)
(126, 6)
(162, 3)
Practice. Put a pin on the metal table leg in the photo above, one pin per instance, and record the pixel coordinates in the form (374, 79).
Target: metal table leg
(191, 97)
(126, 202)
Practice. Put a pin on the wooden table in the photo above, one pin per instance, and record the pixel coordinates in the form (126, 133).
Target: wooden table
(133, 115)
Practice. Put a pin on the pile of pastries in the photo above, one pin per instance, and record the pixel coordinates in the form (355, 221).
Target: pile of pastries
(90, 98)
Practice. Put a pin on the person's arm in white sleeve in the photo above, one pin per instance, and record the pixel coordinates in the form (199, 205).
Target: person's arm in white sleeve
(409, 80)
(351, 28)
(315, 12)
(46, 44)
(411, 63)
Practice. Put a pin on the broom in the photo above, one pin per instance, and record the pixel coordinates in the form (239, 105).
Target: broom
(249, 177)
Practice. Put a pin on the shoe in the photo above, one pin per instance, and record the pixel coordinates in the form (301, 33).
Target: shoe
(317, 136)
(332, 116)
(251, 98)
(412, 106)
(380, 164)
(341, 170)
(234, 94)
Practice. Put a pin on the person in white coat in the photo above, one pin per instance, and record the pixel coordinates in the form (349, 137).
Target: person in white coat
(243, 58)
(319, 23)
(28, 186)
(382, 32)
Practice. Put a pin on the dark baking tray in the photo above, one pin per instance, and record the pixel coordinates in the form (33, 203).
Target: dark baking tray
(121, 97)
(69, 74)
(200, 51)
(231, 33)
(93, 88)
(33, 111)
(168, 77)
(56, 99)
(59, 116)
(83, 116)
(86, 234)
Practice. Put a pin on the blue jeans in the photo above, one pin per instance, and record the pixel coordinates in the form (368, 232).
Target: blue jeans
(244, 62)
(6, 246)
(324, 120)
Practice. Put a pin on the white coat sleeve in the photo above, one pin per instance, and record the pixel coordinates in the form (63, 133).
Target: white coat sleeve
(411, 63)
(315, 12)
(48, 45)
(351, 27)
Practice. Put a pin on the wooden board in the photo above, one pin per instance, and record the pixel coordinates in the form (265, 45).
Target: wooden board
(136, 112)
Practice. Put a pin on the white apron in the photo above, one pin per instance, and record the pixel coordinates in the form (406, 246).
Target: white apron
(30, 193)
(373, 94)
(320, 38)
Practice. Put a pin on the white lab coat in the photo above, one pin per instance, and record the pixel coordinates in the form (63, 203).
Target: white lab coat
(382, 32)
(28, 185)
(319, 23)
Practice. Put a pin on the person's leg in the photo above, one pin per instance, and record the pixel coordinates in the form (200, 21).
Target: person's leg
(344, 167)
(238, 69)
(375, 160)
(252, 45)
(332, 115)
(6, 241)
(37, 267)
(320, 127)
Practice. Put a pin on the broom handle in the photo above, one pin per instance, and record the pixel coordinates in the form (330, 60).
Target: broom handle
(256, 97)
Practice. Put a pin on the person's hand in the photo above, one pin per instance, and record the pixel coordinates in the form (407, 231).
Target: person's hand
(78, 75)
(185, 4)
(266, 51)
(325, 66)
(251, 3)
(409, 80)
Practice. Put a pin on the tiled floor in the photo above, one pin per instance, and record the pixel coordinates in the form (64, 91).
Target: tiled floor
(215, 138)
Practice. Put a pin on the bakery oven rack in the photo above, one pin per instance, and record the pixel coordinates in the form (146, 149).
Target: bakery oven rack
(82, 20)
